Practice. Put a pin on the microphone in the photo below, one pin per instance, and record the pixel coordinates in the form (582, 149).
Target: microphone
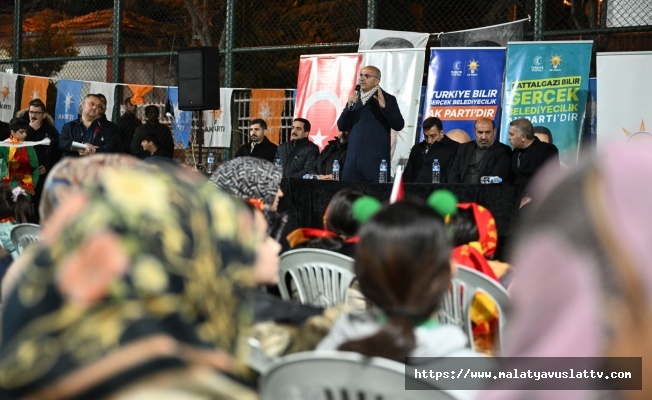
(357, 91)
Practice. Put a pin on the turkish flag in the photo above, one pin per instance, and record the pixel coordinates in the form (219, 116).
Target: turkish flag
(323, 88)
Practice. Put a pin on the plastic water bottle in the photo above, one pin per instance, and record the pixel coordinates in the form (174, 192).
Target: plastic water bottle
(310, 176)
(436, 171)
(277, 163)
(382, 176)
(485, 180)
(336, 170)
(210, 162)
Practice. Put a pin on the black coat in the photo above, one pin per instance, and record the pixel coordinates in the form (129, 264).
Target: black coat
(495, 163)
(106, 138)
(265, 150)
(334, 150)
(298, 157)
(533, 157)
(127, 125)
(166, 141)
(419, 166)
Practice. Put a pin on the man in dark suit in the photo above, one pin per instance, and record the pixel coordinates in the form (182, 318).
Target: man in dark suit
(434, 146)
(530, 153)
(259, 146)
(483, 157)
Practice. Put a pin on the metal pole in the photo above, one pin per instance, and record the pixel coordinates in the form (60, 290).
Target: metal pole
(539, 17)
(372, 13)
(117, 48)
(228, 47)
(18, 36)
(200, 139)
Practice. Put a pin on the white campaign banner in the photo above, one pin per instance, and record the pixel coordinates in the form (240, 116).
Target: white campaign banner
(401, 71)
(376, 39)
(623, 108)
(217, 123)
(7, 96)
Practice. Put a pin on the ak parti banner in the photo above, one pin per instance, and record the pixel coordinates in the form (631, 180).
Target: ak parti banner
(268, 105)
(464, 85)
(324, 85)
(547, 83)
(34, 87)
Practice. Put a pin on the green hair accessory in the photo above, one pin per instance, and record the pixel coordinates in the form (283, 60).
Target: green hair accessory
(364, 208)
(444, 202)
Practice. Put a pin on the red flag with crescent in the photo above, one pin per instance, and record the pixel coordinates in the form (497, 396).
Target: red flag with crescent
(324, 85)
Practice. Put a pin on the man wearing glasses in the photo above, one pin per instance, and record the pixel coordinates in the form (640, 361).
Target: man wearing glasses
(434, 146)
(96, 136)
(41, 126)
(368, 116)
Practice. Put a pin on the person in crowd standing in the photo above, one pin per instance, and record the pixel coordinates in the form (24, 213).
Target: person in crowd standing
(127, 125)
(368, 116)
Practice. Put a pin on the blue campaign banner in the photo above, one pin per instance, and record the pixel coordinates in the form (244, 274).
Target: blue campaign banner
(68, 101)
(464, 84)
(547, 83)
(182, 122)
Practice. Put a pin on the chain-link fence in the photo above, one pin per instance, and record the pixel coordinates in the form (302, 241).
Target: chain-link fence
(260, 41)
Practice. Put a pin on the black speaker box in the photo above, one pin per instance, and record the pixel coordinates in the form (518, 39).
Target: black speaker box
(199, 78)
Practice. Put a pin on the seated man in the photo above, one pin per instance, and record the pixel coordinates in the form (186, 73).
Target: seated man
(153, 127)
(259, 146)
(530, 153)
(483, 157)
(299, 155)
(334, 150)
(151, 144)
(434, 146)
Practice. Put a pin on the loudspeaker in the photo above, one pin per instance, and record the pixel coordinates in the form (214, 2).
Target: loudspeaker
(199, 78)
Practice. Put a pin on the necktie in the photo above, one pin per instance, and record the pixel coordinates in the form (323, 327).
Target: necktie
(519, 160)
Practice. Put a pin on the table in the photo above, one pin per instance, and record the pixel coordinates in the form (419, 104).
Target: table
(305, 200)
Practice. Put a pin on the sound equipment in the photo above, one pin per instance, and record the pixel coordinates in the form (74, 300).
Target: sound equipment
(199, 78)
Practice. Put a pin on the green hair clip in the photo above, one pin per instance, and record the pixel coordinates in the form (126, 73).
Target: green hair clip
(444, 202)
(364, 208)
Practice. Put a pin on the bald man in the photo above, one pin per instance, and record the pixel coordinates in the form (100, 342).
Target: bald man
(369, 116)
(483, 157)
(459, 135)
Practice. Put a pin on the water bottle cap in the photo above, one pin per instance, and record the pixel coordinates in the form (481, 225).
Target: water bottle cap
(384, 160)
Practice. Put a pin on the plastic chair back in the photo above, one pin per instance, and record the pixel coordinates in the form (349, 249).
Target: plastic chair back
(322, 277)
(335, 375)
(23, 235)
(456, 305)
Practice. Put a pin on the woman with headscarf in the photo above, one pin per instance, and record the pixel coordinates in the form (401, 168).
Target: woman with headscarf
(136, 289)
(583, 284)
(256, 181)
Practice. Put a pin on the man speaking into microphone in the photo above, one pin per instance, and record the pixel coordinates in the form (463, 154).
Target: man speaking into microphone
(369, 115)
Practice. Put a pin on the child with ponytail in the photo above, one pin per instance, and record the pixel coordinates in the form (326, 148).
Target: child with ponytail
(15, 208)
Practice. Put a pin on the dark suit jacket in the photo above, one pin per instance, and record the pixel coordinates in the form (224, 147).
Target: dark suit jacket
(534, 156)
(419, 166)
(264, 150)
(298, 157)
(495, 163)
(369, 137)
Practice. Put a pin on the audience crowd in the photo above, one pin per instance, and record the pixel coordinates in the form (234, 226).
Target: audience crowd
(150, 280)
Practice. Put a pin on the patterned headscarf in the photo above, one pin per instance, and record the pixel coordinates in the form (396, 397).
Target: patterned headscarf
(140, 272)
(74, 172)
(249, 178)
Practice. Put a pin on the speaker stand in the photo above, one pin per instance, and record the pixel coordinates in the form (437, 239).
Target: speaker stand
(200, 139)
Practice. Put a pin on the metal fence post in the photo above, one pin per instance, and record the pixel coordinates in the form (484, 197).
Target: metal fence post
(372, 13)
(18, 36)
(115, 56)
(228, 47)
(539, 17)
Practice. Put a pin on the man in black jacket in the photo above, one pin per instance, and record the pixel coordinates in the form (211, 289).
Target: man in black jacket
(127, 125)
(97, 137)
(483, 157)
(334, 150)
(530, 153)
(153, 127)
(299, 155)
(259, 146)
(435, 145)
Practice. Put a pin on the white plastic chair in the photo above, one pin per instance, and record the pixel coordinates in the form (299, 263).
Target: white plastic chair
(335, 375)
(24, 234)
(322, 277)
(456, 305)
